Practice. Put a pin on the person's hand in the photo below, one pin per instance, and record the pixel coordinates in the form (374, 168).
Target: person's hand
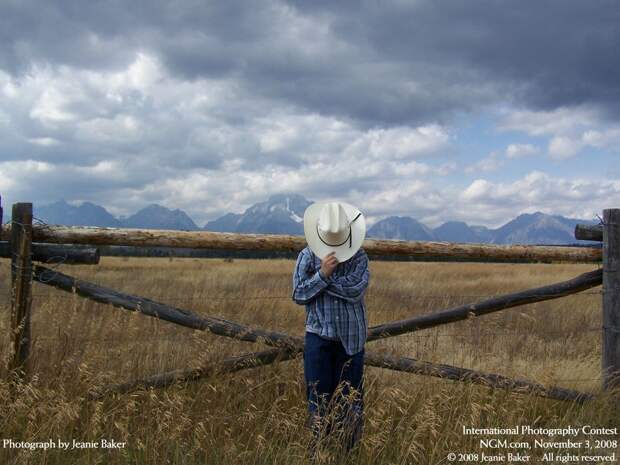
(328, 264)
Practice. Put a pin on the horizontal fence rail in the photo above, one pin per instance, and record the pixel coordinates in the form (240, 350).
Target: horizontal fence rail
(289, 345)
(57, 253)
(588, 232)
(182, 252)
(232, 241)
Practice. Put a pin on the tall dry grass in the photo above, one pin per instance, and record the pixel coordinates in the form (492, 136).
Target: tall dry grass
(258, 416)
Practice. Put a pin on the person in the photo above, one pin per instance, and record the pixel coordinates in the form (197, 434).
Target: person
(330, 279)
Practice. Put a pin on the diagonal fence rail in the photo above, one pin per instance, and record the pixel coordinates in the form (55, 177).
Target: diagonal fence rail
(494, 304)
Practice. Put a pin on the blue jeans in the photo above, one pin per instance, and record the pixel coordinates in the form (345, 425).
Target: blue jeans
(327, 366)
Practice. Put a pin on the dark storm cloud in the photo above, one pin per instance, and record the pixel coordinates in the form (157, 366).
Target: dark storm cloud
(378, 63)
(546, 54)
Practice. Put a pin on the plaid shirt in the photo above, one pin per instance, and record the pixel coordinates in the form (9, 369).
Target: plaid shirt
(334, 306)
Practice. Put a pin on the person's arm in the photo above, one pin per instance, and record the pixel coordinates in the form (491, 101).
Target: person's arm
(307, 284)
(351, 286)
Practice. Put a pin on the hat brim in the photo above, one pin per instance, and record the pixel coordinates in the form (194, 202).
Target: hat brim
(342, 252)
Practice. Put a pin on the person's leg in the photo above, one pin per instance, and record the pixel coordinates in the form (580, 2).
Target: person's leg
(319, 383)
(349, 401)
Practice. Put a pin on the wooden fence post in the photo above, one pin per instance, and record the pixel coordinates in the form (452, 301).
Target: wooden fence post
(611, 298)
(21, 291)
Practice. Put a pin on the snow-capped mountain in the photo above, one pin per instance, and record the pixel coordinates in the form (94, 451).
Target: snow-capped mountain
(280, 214)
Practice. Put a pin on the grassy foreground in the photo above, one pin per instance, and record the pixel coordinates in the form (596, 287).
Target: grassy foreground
(258, 416)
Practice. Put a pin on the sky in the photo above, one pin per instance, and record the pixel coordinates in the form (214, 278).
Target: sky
(440, 110)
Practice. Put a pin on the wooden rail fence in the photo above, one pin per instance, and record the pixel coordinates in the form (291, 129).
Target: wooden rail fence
(27, 242)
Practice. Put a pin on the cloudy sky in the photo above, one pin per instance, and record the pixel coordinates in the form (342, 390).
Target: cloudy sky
(476, 110)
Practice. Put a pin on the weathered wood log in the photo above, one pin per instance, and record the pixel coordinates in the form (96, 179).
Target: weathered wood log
(292, 344)
(228, 365)
(21, 289)
(57, 253)
(181, 252)
(589, 232)
(411, 365)
(231, 241)
(494, 304)
(611, 299)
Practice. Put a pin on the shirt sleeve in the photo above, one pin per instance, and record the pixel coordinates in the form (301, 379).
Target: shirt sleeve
(307, 283)
(352, 285)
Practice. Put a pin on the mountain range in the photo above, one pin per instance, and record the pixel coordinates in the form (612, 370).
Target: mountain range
(283, 214)
(528, 228)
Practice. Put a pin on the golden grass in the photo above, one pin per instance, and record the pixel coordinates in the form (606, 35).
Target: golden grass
(258, 416)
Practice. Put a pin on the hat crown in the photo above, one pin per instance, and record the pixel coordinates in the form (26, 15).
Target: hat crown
(333, 223)
(336, 227)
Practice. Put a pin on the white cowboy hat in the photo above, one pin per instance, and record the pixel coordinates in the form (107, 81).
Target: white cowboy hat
(334, 227)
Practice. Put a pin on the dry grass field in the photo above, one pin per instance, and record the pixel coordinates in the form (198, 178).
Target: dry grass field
(257, 416)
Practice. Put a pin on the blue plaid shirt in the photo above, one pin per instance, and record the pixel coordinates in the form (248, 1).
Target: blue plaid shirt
(334, 306)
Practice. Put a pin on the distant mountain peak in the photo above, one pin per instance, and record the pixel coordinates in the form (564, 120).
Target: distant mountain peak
(280, 214)
(86, 214)
(457, 231)
(155, 216)
(403, 228)
(537, 228)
